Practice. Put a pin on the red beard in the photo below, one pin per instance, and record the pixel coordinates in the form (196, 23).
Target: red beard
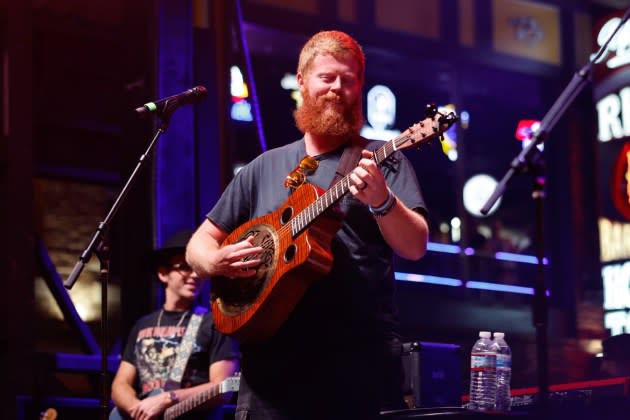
(328, 115)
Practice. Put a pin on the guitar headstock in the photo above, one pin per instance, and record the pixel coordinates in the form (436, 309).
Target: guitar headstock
(434, 125)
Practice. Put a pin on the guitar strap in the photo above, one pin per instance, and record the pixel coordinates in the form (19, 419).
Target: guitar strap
(184, 349)
(349, 158)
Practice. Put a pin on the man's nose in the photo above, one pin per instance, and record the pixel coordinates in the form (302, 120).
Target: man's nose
(336, 84)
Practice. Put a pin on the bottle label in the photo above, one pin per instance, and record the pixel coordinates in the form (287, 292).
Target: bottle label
(483, 360)
(504, 361)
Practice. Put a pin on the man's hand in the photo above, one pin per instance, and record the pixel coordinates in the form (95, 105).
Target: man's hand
(368, 182)
(231, 260)
(151, 407)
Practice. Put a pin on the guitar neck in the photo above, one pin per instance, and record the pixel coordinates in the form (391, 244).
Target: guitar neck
(303, 219)
(230, 384)
(190, 404)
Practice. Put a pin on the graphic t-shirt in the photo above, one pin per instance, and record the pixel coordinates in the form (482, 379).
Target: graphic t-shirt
(153, 350)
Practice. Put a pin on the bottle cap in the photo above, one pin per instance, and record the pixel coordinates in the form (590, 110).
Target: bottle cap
(484, 334)
(499, 335)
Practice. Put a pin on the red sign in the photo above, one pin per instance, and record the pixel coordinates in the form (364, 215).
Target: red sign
(620, 185)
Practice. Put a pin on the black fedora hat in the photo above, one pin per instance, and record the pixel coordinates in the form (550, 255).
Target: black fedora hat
(175, 245)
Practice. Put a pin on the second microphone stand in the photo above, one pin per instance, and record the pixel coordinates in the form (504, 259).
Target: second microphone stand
(99, 245)
(526, 162)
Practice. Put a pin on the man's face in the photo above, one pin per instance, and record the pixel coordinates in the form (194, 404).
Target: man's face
(331, 92)
(179, 278)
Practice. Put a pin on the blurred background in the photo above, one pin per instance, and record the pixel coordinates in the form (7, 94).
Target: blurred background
(73, 72)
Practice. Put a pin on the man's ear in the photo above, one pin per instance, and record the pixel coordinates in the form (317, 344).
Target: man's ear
(162, 273)
(300, 80)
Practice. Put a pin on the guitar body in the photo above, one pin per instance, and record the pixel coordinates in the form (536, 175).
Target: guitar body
(296, 246)
(194, 403)
(252, 309)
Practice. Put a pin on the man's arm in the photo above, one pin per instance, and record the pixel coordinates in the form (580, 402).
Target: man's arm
(125, 398)
(405, 230)
(206, 256)
(123, 393)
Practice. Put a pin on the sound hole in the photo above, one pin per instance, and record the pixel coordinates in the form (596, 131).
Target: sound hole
(289, 254)
(286, 215)
(237, 294)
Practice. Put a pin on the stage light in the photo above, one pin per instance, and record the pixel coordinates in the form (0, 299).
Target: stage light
(476, 192)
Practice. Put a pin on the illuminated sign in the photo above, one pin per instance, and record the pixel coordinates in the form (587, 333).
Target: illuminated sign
(616, 286)
(620, 184)
(617, 297)
(618, 322)
(614, 240)
(613, 116)
(241, 108)
(617, 53)
(612, 96)
(525, 132)
(381, 114)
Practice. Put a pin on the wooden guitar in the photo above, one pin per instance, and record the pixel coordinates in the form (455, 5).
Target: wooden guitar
(296, 247)
(188, 405)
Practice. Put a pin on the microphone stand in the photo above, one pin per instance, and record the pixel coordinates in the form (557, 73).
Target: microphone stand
(100, 246)
(527, 161)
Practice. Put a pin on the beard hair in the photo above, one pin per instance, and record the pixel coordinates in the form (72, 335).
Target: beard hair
(328, 115)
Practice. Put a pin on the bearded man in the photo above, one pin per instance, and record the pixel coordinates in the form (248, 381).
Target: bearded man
(338, 354)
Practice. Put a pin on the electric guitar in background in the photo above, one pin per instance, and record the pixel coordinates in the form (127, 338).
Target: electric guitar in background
(230, 384)
(197, 401)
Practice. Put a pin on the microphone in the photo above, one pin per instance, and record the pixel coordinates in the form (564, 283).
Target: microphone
(159, 107)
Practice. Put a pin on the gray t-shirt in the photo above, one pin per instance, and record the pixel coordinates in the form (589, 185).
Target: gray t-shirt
(349, 309)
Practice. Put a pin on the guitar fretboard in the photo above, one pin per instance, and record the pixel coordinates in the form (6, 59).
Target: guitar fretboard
(191, 403)
(304, 218)
(227, 385)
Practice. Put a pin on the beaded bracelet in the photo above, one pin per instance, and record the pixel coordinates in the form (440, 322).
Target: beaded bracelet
(385, 208)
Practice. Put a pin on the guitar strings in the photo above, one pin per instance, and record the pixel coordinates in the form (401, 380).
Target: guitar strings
(301, 220)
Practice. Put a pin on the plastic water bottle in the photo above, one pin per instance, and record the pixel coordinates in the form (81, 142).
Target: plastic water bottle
(504, 371)
(483, 378)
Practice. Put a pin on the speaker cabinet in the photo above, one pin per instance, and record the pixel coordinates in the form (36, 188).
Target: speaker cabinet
(433, 374)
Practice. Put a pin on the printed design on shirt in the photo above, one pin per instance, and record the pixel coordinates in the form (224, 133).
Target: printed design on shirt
(155, 351)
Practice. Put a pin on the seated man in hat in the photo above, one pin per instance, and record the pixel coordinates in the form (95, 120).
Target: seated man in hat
(173, 353)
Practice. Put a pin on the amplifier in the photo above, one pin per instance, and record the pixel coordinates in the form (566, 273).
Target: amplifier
(433, 374)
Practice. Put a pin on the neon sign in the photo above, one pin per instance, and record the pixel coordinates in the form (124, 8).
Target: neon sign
(620, 185)
(241, 108)
(619, 46)
(613, 116)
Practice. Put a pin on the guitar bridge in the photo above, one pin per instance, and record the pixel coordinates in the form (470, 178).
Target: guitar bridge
(237, 294)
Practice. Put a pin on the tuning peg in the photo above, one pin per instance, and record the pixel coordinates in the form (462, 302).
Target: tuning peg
(430, 110)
